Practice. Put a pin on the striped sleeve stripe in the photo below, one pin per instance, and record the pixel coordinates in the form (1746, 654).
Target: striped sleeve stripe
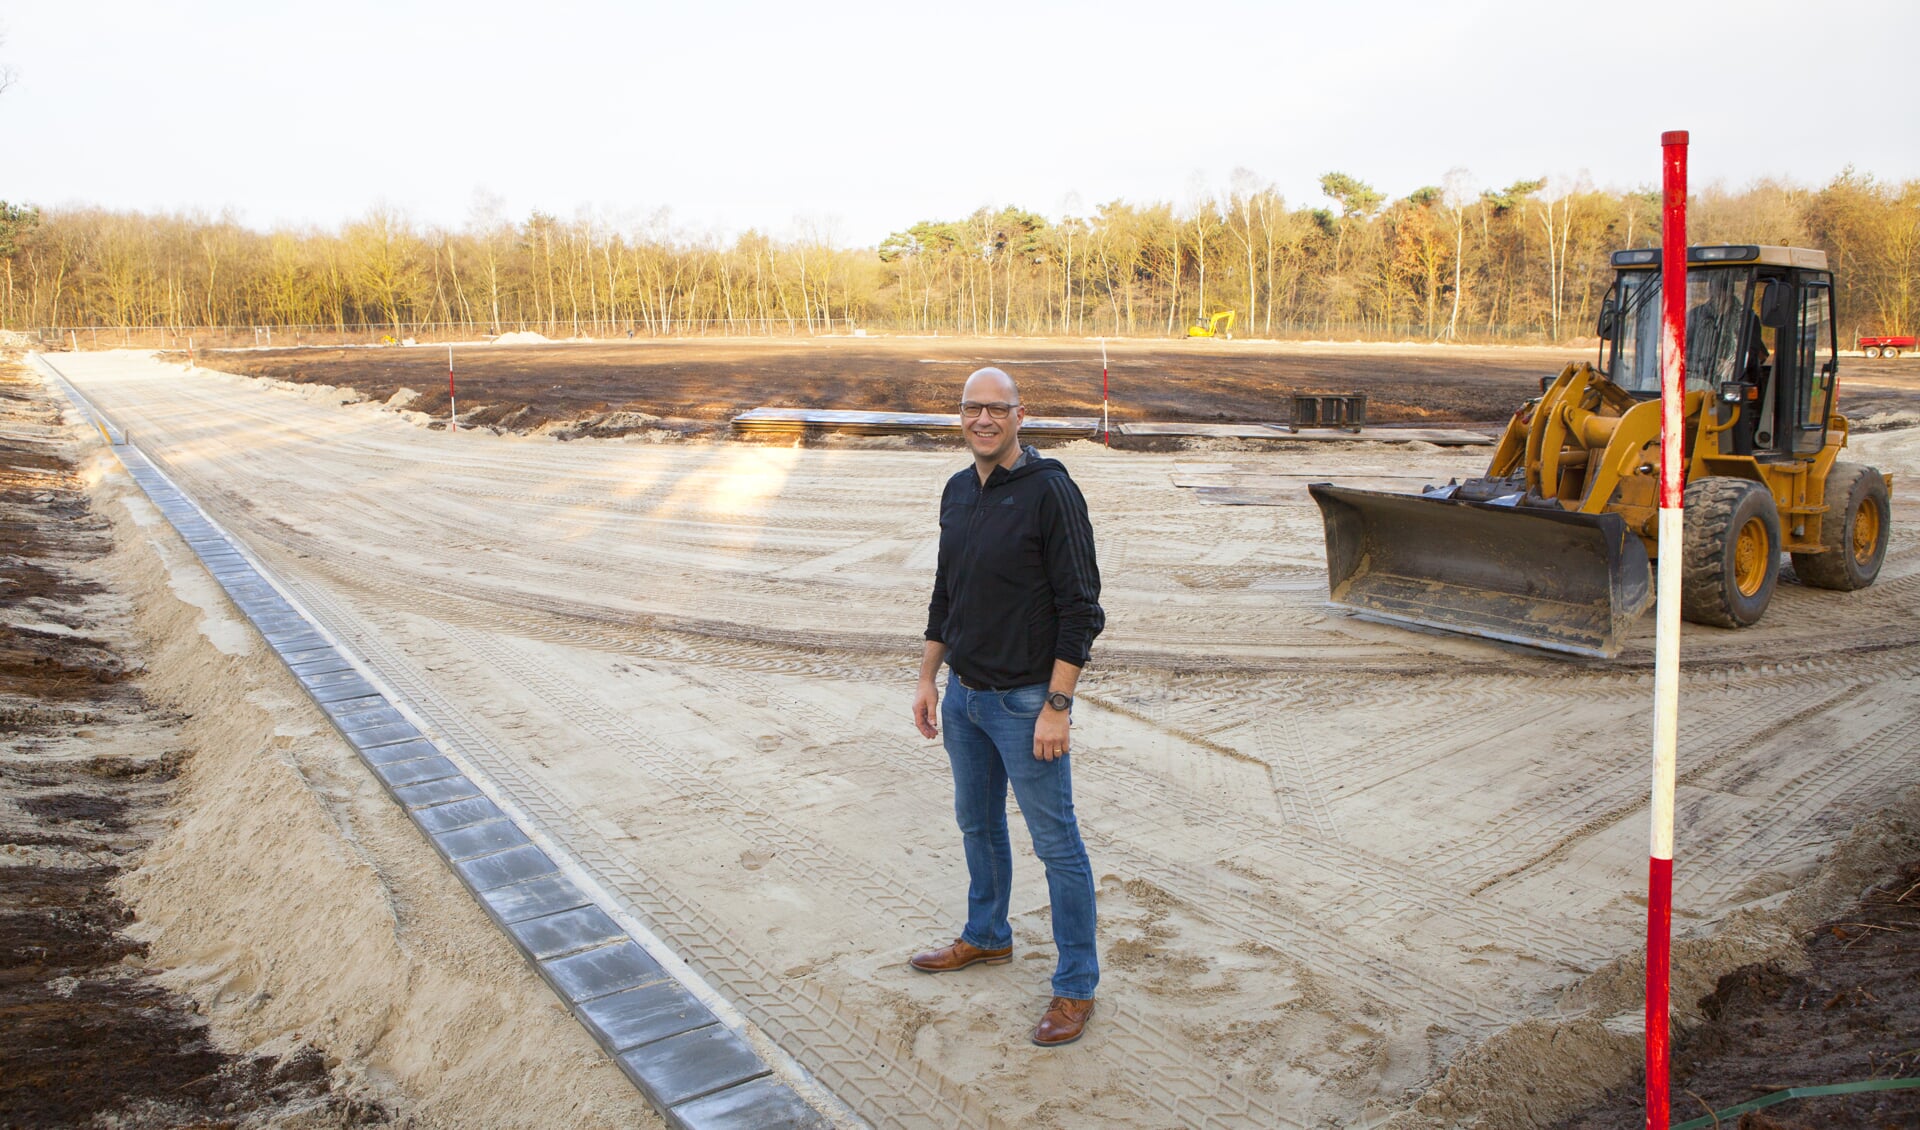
(1079, 539)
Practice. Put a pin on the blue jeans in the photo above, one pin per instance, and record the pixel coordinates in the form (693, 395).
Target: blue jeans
(989, 740)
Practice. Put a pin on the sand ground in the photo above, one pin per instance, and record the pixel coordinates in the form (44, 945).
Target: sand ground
(1332, 855)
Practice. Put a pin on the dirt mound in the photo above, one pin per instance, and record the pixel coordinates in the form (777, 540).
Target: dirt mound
(1840, 1009)
(1789, 1006)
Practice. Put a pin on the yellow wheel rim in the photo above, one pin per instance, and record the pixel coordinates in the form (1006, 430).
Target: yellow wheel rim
(1750, 557)
(1866, 531)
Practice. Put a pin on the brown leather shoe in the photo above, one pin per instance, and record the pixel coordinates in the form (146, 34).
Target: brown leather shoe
(959, 955)
(1064, 1022)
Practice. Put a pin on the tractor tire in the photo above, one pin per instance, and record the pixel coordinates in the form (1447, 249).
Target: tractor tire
(1890, 352)
(1871, 351)
(1854, 531)
(1730, 552)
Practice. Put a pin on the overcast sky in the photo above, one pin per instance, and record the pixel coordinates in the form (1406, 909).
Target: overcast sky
(856, 119)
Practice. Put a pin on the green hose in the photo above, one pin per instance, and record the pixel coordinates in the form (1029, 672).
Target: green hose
(1713, 1119)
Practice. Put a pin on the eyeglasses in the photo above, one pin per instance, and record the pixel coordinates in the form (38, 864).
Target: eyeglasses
(996, 411)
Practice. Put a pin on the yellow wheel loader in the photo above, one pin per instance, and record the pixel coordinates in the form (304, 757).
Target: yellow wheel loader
(1552, 546)
(1220, 325)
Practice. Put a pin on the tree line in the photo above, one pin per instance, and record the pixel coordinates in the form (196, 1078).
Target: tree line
(1447, 262)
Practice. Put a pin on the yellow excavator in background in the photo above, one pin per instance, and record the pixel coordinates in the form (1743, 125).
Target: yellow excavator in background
(1219, 325)
(1552, 547)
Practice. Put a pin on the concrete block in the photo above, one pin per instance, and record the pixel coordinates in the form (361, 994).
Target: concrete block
(643, 1015)
(479, 839)
(346, 692)
(357, 720)
(338, 706)
(403, 773)
(692, 1064)
(761, 1104)
(596, 973)
(400, 751)
(534, 898)
(326, 663)
(441, 791)
(459, 814)
(383, 735)
(515, 865)
(565, 932)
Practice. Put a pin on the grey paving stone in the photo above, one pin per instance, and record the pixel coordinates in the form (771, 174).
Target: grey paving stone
(335, 706)
(428, 793)
(534, 898)
(643, 1015)
(459, 814)
(298, 643)
(479, 839)
(691, 1064)
(516, 865)
(356, 721)
(403, 773)
(761, 1104)
(595, 973)
(325, 663)
(565, 932)
(329, 679)
(383, 735)
(400, 751)
(280, 637)
(277, 626)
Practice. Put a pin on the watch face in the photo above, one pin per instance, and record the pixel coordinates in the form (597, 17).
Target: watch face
(1059, 701)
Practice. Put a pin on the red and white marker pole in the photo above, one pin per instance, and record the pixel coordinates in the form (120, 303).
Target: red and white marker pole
(1666, 648)
(1104, 433)
(453, 415)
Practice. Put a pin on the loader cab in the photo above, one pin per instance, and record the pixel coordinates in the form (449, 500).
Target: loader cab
(1761, 341)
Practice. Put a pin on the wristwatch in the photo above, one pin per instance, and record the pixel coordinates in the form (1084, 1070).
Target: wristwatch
(1060, 701)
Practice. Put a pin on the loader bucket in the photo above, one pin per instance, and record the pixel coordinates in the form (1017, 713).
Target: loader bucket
(1543, 577)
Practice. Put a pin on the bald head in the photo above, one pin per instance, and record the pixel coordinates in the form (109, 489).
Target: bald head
(988, 385)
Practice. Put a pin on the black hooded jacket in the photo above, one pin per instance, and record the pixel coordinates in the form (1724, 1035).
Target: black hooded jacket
(1017, 585)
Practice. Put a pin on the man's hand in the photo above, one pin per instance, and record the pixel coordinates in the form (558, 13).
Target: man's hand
(926, 700)
(1050, 739)
(926, 709)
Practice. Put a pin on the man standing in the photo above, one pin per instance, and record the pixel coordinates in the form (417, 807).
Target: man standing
(1015, 608)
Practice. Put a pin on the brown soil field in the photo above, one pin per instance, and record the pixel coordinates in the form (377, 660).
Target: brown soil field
(699, 385)
(708, 382)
